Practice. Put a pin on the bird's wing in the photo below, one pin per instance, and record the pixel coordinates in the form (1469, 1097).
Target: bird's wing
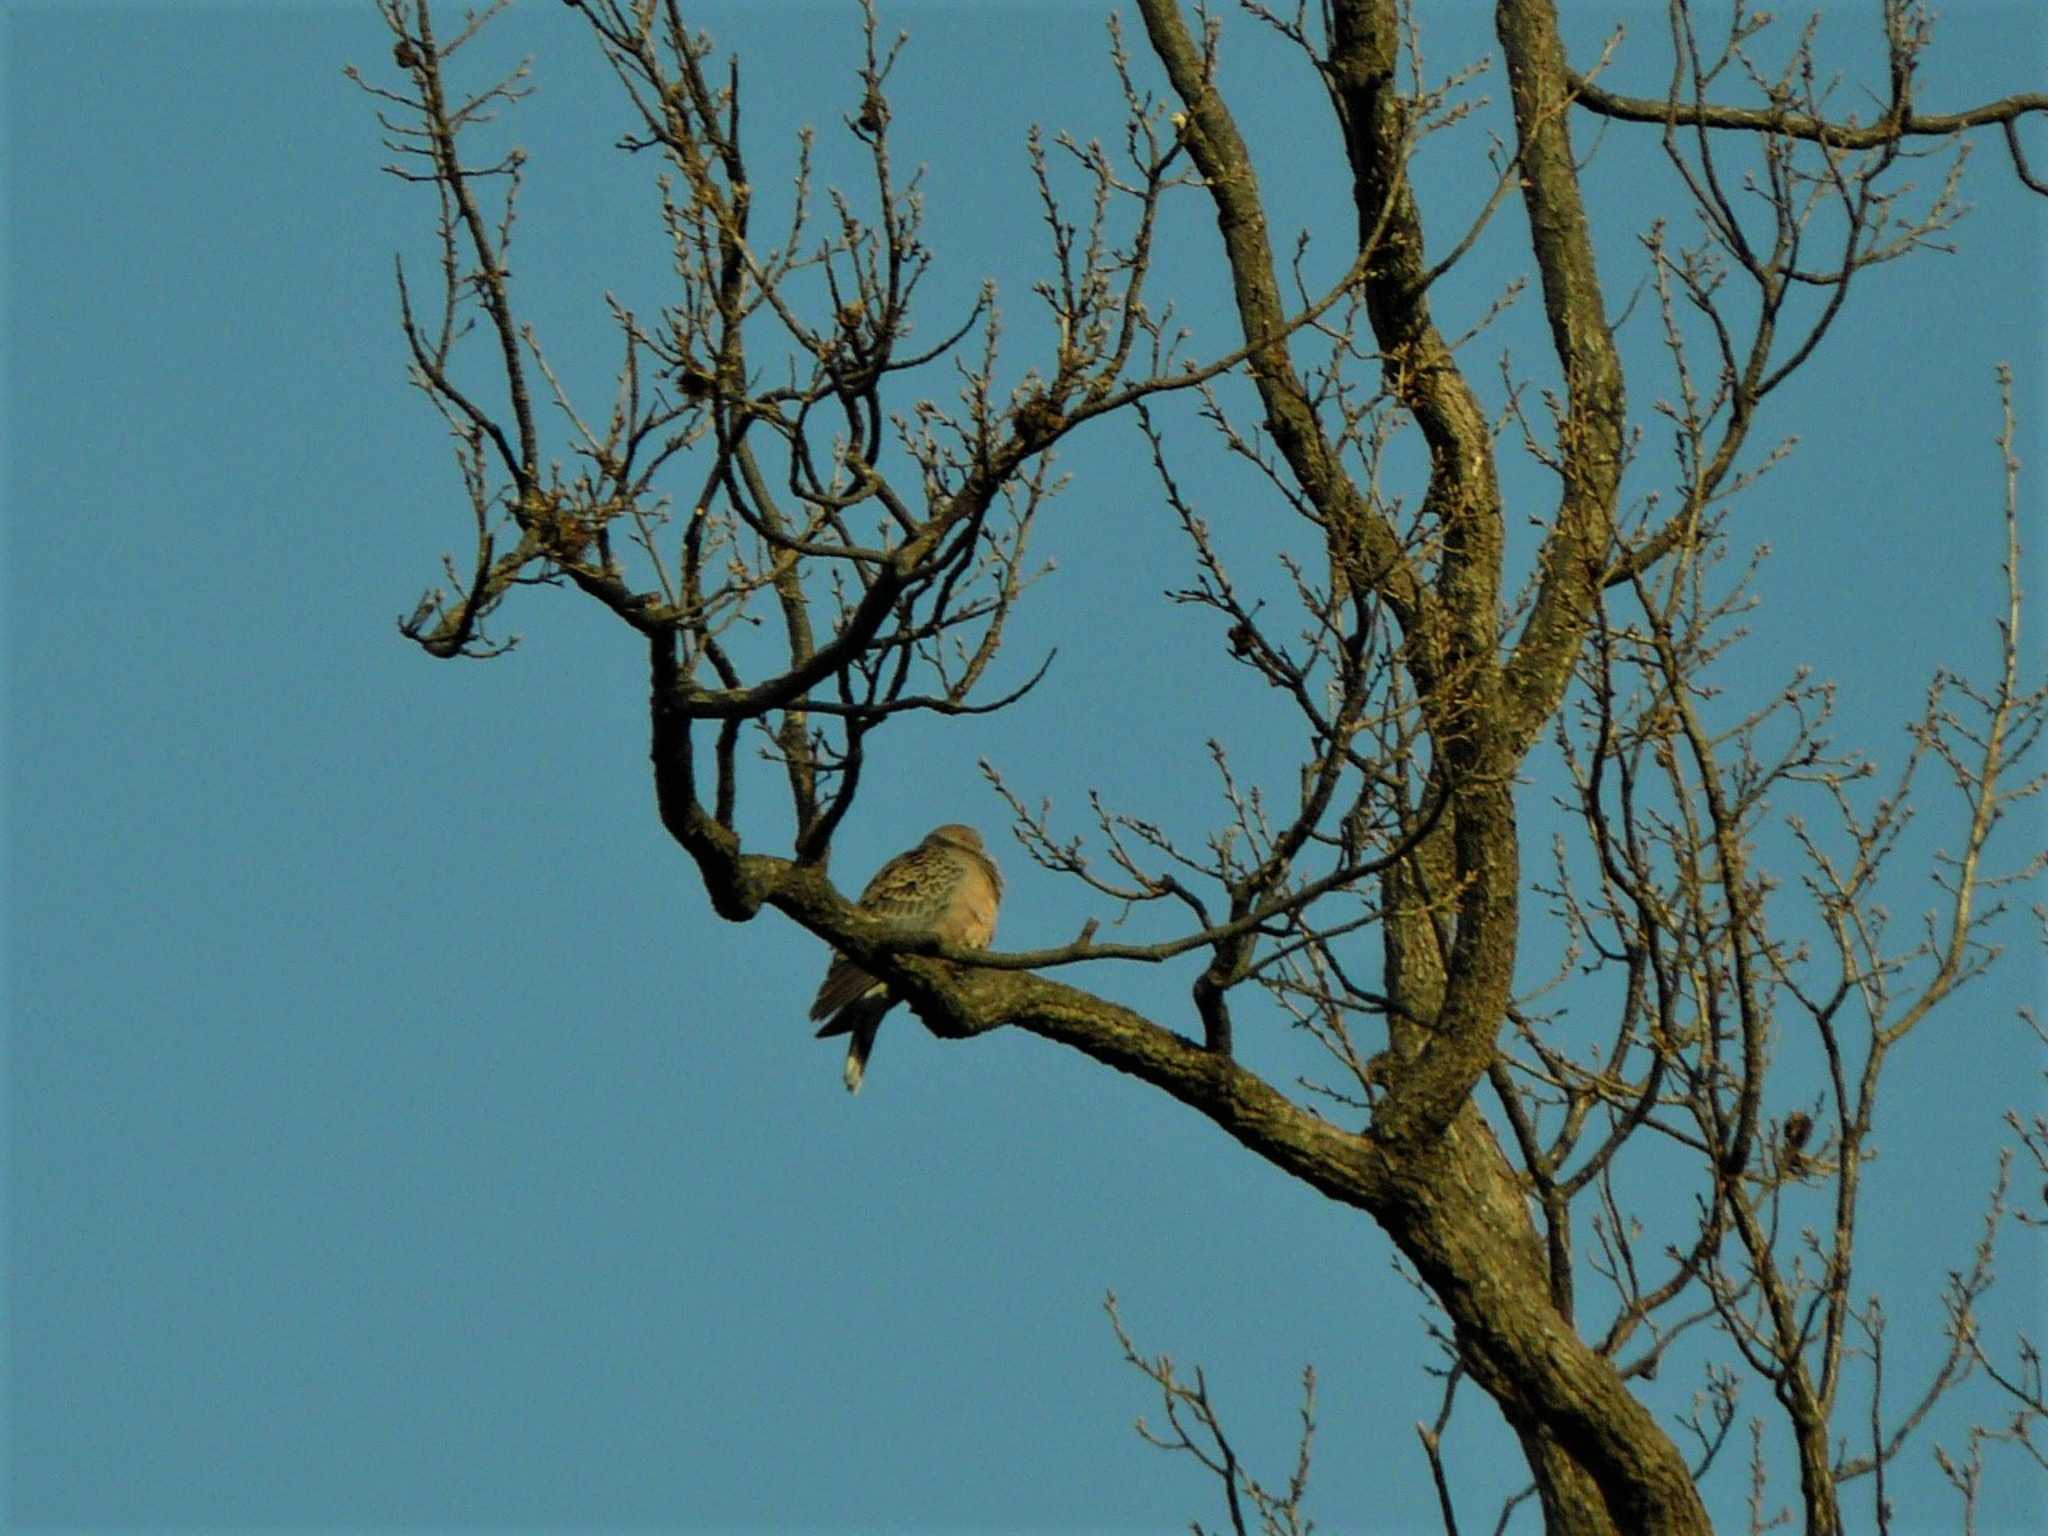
(913, 888)
(844, 983)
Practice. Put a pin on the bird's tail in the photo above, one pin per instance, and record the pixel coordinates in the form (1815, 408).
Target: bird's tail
(858, 1020)
(860, 1044)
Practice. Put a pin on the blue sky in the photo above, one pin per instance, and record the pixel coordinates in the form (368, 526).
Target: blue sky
(394, 1138)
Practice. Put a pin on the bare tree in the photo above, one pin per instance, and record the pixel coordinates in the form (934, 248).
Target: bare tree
(769, 454)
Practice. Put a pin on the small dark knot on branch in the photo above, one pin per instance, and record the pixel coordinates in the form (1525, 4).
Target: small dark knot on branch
(1039, 421)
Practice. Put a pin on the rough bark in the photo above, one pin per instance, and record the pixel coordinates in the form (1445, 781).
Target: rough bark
(1444, 1192)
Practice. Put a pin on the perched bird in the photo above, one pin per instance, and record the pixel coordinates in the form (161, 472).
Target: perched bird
(946, 885)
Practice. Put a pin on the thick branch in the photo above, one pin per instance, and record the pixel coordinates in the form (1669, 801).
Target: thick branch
(1364, 546)
(1590, 445)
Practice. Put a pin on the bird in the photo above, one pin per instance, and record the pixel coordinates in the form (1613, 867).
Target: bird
(948, 886)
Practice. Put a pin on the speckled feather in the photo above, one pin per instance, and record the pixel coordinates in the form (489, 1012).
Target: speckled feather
(947, 884)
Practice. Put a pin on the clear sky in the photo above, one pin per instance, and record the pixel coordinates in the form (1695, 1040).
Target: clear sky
(395, 1139)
